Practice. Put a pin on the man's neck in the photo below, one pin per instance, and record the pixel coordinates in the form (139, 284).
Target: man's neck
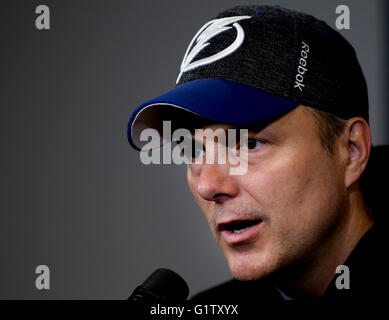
(314, 278)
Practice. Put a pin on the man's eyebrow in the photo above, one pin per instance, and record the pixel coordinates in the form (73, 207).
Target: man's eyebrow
(252, 131)
(203, 124)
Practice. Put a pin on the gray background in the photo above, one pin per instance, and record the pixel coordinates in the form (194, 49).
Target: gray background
(74, 196)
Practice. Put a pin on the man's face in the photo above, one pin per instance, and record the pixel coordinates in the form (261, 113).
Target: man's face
(291, 198)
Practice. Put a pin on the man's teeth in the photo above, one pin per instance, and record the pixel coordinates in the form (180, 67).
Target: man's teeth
(240, 230)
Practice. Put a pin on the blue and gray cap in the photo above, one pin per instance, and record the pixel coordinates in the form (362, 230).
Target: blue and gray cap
(255, 63)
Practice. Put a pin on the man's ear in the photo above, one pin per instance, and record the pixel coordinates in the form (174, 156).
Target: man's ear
(358, 137)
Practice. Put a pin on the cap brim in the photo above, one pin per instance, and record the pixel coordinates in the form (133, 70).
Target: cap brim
(217, 100)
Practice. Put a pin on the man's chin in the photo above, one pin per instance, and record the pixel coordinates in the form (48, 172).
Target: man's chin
(248, 271)
(248, 276)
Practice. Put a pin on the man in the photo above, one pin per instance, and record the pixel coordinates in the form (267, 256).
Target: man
(296, 223)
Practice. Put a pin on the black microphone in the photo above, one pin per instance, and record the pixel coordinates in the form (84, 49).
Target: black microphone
(163, 285)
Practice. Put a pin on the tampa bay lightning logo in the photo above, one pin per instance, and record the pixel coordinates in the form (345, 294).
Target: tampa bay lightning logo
(208, 31)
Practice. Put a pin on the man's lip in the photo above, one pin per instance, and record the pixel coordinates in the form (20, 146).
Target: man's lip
(232, 238)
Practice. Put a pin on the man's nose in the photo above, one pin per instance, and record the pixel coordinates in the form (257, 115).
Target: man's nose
(215, 183)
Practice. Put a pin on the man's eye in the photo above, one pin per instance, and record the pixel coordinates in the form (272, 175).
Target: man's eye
(253, 143)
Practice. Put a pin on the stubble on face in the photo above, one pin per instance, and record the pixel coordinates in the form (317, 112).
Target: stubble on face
(292, 185)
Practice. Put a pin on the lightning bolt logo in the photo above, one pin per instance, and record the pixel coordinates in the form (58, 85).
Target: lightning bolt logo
(207, 32)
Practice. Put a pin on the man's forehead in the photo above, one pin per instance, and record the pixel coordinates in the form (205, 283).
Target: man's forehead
(281, 122)
(226, 128)
(250, 127)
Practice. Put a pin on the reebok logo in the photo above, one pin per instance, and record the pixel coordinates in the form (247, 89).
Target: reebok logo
(301, 69)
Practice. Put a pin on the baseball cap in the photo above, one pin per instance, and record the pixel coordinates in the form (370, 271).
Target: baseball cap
(254, 63)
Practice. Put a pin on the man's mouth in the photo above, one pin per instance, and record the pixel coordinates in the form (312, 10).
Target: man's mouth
(238, 226)
(239, 230)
